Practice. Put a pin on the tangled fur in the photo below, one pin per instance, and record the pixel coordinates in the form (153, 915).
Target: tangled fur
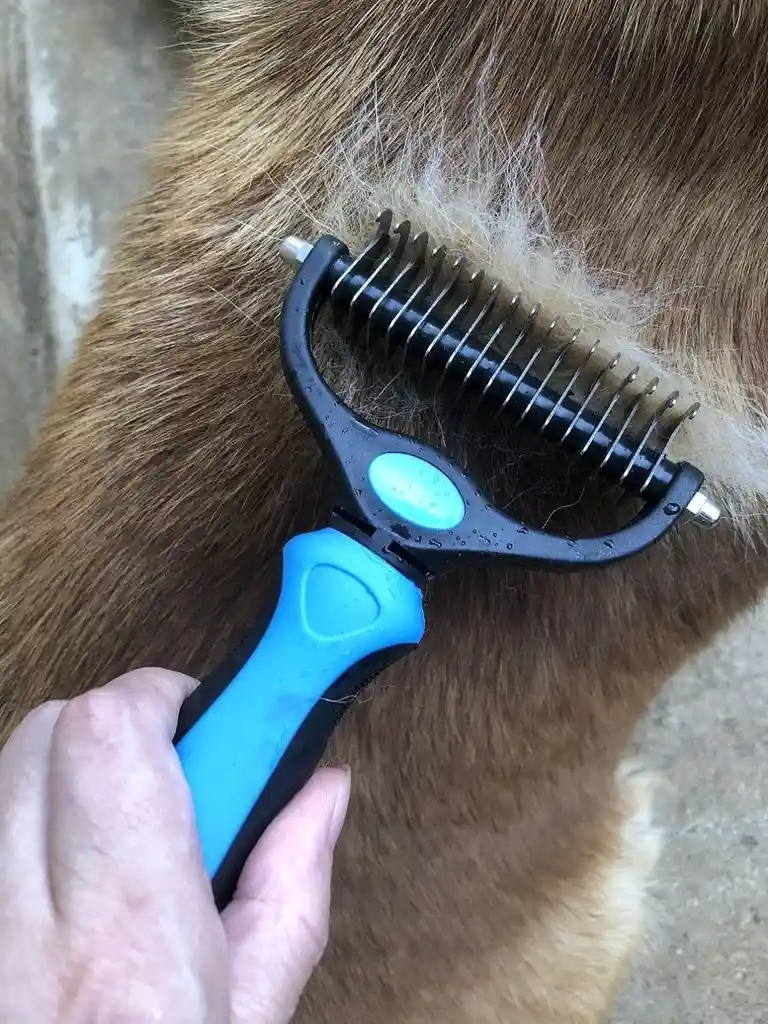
(485, 199)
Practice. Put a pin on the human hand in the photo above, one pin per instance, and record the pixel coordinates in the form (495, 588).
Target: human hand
(106, 912)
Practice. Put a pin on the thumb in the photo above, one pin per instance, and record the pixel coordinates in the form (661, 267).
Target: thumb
(277, 924)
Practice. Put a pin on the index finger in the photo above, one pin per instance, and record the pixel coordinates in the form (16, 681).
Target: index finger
(120, 815)
(155, 693)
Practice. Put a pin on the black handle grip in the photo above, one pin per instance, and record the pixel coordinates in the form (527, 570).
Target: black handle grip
(298, 763)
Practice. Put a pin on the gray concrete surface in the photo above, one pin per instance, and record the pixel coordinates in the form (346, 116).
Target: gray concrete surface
(99, 78)
(27, 349)
(707, 954)
(84, 84)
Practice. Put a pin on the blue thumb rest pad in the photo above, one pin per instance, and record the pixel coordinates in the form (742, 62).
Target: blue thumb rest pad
(339, 603)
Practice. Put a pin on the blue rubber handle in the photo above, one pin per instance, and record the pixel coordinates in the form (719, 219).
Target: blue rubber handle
(249, 742)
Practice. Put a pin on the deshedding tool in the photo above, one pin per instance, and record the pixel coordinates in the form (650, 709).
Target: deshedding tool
(350, 601)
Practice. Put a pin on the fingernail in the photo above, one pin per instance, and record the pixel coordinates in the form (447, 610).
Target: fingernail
(339, 815)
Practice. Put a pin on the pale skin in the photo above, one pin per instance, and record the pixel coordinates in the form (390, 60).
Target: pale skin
(106, 912)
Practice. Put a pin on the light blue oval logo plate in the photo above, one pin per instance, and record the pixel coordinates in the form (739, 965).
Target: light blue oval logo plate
(416, 491)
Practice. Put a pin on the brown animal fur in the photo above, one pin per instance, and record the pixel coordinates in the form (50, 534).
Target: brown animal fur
(493, 865)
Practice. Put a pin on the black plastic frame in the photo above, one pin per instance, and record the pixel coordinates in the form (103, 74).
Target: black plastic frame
(350, 444)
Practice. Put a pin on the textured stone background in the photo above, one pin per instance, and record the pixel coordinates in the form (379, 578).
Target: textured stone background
(85, 84)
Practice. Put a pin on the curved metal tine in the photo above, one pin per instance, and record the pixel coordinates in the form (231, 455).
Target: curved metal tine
(487, 347)
(595, 386)
(436, 257)
(472, 288)
(688, 415)
(404, 279)
(373, 248)
(665, 406)
(394, 258)
(445, 291)
(402, 230)
(437, 260)
(513, 390)
(566, 390)
(522, 334)
(647, 391)
(468, 335)
(629, 379)
(552, 370)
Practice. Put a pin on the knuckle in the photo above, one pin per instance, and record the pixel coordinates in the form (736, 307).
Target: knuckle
(45, 714)
(299, 928)
(154, 679)
(151, 690)
(37, 726)
(99, 718)
(312, 935)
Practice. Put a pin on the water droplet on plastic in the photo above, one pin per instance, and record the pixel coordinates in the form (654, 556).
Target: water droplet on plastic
(609, 544)
(435, 543)
(672, 508)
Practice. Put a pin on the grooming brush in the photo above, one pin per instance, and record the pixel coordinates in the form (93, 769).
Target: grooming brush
(350, 600)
